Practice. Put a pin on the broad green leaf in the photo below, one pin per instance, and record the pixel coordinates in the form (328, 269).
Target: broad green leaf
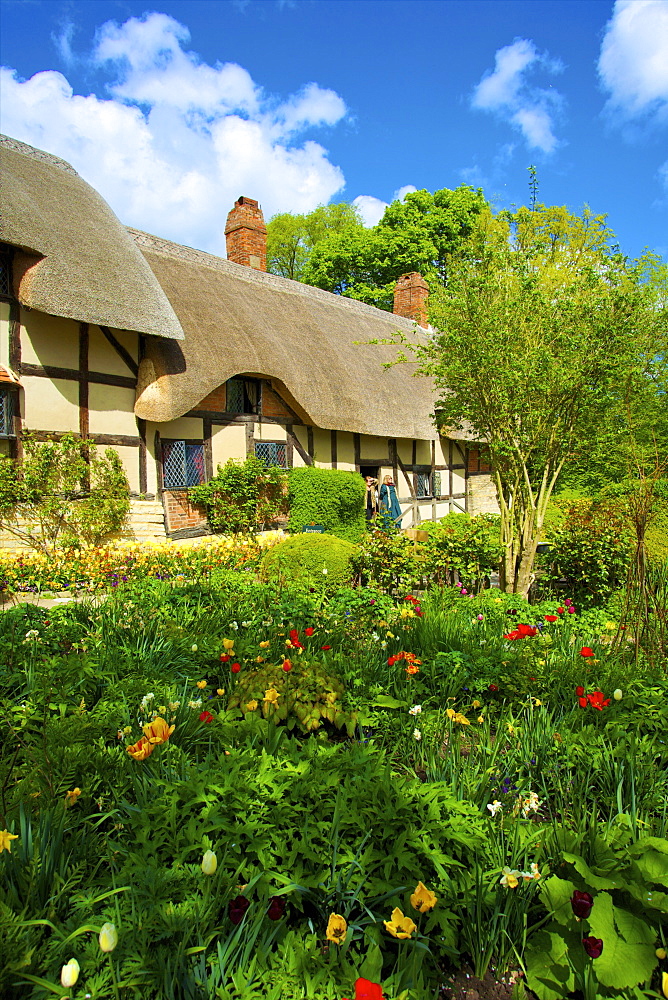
(556, 894)
(627, 958)
(386, 701)
(595, 881)
(549, 973)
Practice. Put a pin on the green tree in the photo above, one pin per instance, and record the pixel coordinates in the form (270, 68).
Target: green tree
(291, 238)
(545, 333)
(62, 493)
(419, 233)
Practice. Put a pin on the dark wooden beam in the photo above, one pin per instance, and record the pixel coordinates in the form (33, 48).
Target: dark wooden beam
(392, 444)
(294, 441)
(123, 354)
(99, 378)
(84, 420)
(143, 467)
(208, 448)
(309, 442)
(109, 440)
(334, 451)
(357, 446)
(15, 336)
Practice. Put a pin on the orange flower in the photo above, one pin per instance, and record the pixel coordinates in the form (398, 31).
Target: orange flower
(412, 668)
(141, 750)
(158, 731)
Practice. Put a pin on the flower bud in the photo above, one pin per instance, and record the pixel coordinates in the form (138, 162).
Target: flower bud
(108, 937)
(209, 863)
(69, 973)
(617, 694)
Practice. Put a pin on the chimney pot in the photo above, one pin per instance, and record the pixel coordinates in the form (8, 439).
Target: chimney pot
(411, 296)
(246, 234)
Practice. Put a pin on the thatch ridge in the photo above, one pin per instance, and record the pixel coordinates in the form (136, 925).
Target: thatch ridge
(241, 321)
(80, 263)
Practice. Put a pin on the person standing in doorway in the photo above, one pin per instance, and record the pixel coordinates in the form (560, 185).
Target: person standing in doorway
(388, 502)
(371, 498)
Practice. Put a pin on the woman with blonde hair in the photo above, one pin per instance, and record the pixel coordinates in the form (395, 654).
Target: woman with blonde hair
(389, 504)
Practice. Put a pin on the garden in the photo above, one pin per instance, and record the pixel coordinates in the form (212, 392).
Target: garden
(314, 768)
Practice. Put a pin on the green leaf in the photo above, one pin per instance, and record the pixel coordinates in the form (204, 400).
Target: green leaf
(556, 894)
(386, 701)
(595, 881)
(628, 957)
(549, 973)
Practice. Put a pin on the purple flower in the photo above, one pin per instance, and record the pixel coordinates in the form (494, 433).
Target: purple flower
(593, 946)
(236, 908)
(581, 904)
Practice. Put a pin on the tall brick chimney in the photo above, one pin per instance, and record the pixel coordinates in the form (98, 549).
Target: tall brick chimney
(246, 234)
(411, 294)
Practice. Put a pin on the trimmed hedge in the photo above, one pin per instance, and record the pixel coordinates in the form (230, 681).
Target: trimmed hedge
(330, 497)
(305, 558)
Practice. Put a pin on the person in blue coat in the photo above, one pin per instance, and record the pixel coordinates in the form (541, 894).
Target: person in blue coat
(388, 503)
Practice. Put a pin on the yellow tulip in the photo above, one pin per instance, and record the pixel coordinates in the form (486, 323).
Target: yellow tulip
(228, 643)
(450, 712)
(423, 899)
(158, 731)
(265, 644)
(337, 929)
(461, 719)
(108, 937)
(69, 973)
(209, 863)
(271, 696)
(398, 925)
(71, 797)
(201, 685)
(251, 706)
(6, 840)
(664, 984)
(141, 750)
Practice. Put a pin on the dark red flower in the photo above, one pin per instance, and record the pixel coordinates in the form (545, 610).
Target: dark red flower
(593, 946)
(493, 687)
(325, 647)
(586, 651)
(309, 632)
(276, 908)
(224, 658)
(236, 908)
(581, 904)
(550, 618)
(206, 717)
(579, 691)
(235, 668)
(560, 611)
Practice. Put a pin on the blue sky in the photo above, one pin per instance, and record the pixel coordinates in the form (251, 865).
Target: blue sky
(174, 109)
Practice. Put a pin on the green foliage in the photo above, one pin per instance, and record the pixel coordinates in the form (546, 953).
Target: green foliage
(590, 550)
(242, 496)
(419, 233)
(462, 547)
(546, 335)
(292, 238)
(330, 497)
(62, 493)
(307, 695)
(319, 561)
(390, 561)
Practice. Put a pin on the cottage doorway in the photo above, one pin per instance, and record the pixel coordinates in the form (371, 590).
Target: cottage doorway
(369, 470)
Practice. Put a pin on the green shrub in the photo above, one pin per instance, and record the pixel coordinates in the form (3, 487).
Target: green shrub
(390, 561)
(464, 547)
(590, 551)
(242, 496)
(320, 561)
(330, 497)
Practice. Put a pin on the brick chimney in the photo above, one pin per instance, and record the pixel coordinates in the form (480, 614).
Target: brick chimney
(246, 234)
(411, 294)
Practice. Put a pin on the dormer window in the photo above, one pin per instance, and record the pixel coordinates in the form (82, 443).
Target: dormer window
(6, 271)
(243, 395)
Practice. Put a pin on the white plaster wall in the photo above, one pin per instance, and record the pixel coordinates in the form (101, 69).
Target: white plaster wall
(49, 340)
(228, 442)
(50, 404)
(373, 448)
(184, 428)
(345, 451)
(423, 453)
(110, 410)
(405, 450)
(130, 459)
(322, 448)
(103, 358)
(270, 432)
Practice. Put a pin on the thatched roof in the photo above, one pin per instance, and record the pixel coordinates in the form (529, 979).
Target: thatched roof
(80, 262)
(241, 321)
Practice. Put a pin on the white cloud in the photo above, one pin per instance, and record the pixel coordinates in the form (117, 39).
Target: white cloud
(633, 65)
(178, 140)
(372, 209)
(506, 92)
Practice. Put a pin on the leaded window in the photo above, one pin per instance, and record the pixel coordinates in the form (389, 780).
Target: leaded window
(272, 453)
(182, 464)
(423, 485)
(7, 398)
(243, 395)
(5, 270)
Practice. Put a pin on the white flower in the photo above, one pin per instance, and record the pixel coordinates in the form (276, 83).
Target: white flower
(495, 807)
(193, 648)
(324, 571)
(195, 704)
(617, 694)
(415, 710)
(234, 625)
(69, 973)
(383, 645)
(108, 938)
(417, 734)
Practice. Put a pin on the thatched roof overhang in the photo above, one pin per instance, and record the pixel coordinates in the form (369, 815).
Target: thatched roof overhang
(78, 261)
(241, 321)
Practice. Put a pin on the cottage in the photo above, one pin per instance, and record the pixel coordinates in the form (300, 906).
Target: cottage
(182, 360)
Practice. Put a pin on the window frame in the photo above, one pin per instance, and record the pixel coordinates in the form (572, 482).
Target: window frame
(249, 408)
(281, 444)
(165, 444)
(9, 395)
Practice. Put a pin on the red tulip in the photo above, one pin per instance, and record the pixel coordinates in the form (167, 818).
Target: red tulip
(325, 647)
(276, 908)
(309, 632)
(236, 908)
(224, 658)
(586, 652)
(579, 691)
(366, 990)
(581, 904)
(593, 946)
(206, 717)
(597, 701)
(235, 668)
(550, 618)
(287, 666)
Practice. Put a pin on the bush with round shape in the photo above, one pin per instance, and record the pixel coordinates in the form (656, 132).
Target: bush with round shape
(319, 561)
